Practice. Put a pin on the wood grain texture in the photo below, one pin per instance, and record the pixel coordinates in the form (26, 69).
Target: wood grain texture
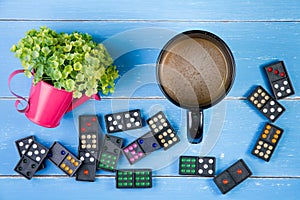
(179, 188)
(189, 10)
(228, 135)
(252, 44)
(257, 32)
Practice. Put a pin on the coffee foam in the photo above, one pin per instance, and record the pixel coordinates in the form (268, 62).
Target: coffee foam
(193, 72)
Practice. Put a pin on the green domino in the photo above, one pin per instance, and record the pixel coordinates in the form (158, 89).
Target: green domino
(134, 178)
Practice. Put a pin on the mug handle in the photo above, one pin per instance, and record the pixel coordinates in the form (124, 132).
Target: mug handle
(195, 125)
(18, 101)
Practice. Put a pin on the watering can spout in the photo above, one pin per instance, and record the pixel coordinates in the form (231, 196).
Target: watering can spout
(81, 100)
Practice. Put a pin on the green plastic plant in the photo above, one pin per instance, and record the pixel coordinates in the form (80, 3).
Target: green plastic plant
(73, 62)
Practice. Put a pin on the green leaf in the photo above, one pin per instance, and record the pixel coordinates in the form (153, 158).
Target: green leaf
(28, 73)
(57, 85)
(70, 84)
(56, 75)
(68, 48)
(68, 69)
(80, 77)
(86, 48)
(77, 94)
(46, 50)
(77, 66)
(35, 54)
(54, 64)
(13, 48)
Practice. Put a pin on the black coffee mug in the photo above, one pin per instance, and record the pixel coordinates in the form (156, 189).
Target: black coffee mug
(195, 70)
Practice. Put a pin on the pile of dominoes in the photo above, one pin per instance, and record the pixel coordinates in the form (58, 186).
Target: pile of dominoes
(93, 156)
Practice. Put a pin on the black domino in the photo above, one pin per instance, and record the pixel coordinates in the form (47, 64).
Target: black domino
(232, 176)
(23, 144)
(162, 130)
(279, 80)
(134, 178)
(141, 147)
(123, 121)
(268, 106)
(199, 166)
(87, 170)
(110, 153)
(148, 143)
(267, 142)
(88, 134)
(31, 160)
(134, 152)
(63, 159)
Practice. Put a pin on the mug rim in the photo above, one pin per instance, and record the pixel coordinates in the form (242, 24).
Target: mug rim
(230, 79)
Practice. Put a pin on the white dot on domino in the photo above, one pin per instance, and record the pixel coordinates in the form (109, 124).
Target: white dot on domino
(272, 103)
(265, 110)
(109, 118)
(21, 144)
(135, 114)
(276, 86)
(279, 94)
(210, 171)
(200, 171)
(282, 88)
(288, 91)
(285, 83)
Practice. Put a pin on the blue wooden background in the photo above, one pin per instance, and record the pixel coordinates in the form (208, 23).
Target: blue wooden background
(258, 32)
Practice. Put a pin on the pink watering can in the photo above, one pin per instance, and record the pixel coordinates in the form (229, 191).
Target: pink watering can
(47, 105)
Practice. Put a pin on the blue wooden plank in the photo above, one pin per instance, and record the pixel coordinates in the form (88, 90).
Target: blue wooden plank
(180, 188)
(231, 130)
(151, 10)
(135, 47)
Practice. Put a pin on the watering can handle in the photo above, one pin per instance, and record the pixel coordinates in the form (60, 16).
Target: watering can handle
(74, 104)
(18, 101)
